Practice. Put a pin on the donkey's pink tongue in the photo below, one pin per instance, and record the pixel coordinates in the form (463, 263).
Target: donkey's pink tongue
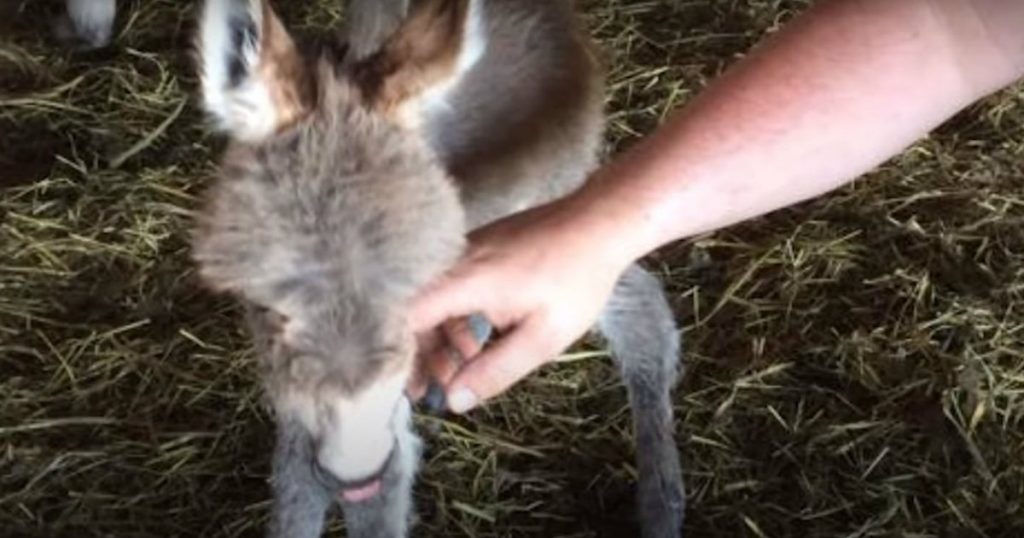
(362, 493)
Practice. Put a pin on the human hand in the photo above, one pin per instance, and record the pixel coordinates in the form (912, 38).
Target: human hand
(541, 277)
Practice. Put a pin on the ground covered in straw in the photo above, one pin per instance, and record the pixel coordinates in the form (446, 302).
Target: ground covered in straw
(854, 365)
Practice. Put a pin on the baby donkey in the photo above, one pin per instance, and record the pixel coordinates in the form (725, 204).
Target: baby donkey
(350, 182)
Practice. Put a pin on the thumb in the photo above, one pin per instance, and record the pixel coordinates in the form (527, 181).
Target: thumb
(494, 370)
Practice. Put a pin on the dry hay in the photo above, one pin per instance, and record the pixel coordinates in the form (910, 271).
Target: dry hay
(854, 363)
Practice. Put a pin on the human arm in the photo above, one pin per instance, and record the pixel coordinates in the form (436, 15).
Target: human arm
(840, 89)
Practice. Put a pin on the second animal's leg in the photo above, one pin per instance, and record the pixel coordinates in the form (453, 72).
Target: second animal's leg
(300, 500)
(86, 24)
(389, 514)
(642, 334)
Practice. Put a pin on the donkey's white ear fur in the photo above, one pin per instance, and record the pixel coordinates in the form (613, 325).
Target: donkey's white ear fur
(228, 52)
(437, 44)
(471, 48)
(250, 72)
(474, 38)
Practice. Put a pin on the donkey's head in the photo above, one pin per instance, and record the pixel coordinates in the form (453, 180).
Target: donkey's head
(330, 212)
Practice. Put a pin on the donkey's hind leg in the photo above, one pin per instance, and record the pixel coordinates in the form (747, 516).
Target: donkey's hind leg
(643, 337)
(300, 501)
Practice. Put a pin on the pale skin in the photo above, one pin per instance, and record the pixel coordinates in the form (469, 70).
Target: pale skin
(835, 93)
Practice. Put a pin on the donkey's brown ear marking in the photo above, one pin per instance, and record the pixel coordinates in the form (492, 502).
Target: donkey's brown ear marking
(284, 71)
(254, 81)
(438, 42)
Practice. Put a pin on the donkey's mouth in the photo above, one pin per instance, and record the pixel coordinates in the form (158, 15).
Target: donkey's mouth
(354, 491)
(358, 494)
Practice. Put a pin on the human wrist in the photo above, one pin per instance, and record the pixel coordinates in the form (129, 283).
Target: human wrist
(605, 229)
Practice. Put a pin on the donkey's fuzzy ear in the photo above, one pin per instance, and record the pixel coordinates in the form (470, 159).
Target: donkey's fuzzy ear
(253, 79)
(429, 53)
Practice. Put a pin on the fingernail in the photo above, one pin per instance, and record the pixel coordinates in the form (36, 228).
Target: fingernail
(461, 400)
(480, 327)
(434, 398)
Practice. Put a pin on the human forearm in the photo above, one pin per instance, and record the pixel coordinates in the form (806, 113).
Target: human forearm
(837, 92)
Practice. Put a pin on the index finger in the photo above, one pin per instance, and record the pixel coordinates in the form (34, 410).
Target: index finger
(451, 296)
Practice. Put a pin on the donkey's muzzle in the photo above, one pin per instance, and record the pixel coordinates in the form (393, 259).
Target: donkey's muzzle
(354, 491)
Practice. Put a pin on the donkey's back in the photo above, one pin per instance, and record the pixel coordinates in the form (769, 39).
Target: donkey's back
(523, 124)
